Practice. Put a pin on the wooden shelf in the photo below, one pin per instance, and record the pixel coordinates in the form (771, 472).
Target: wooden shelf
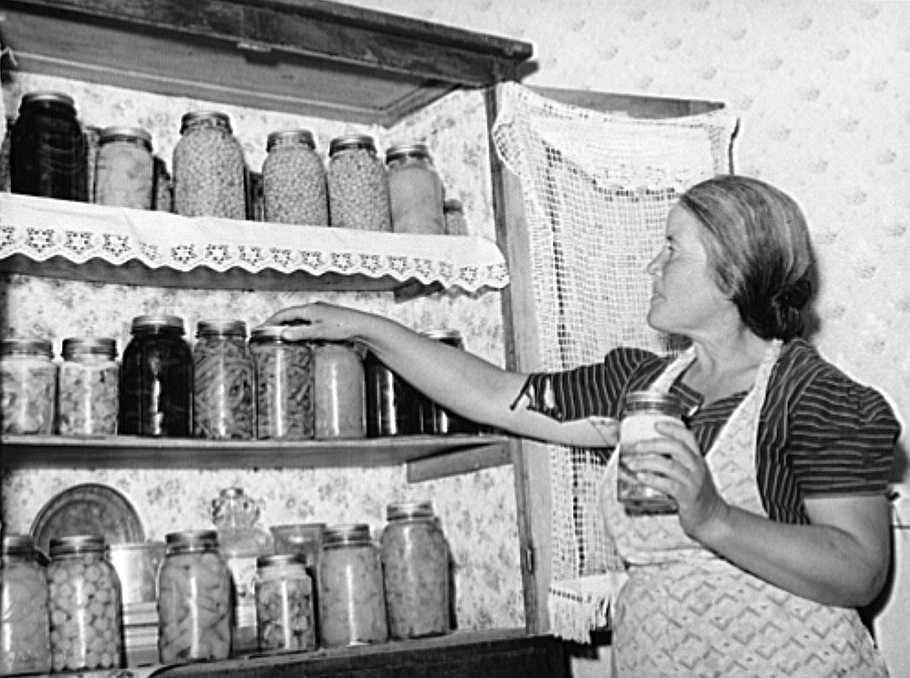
(301, 56)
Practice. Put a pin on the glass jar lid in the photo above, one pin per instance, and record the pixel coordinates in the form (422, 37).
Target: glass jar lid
(404, 510)
(291, 136)
(122, 133)
(284, 560)
(652, 401)
(47, 97)
(190, 540)
(214, 118)
(73, 346)
(408, 150)
(215, 328)
(34, 346)
(76, 543)
(346, 534)
(146, 322)
(350, 141)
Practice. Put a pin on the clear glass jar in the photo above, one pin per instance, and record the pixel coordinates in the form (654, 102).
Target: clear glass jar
(125, 168)
(156, 379)
(88, 395)
(304, 540)
(285, 407)
(28, 382)
(294, 180)
(241, 541)
(209, 169)
(453, 211)
(415, 190)
(642, 410)
(352, 608)
(415, 564)
(24, 626)
(194, 599)
(358, 185)
(84, 605)
(222, 381)
(434, 418)
(284, 604)
(393, 405)
(338, 391)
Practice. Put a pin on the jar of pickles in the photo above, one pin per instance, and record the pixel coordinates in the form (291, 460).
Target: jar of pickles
(358, 185)
(194, 599)
(209, 169)
(156, 379)
(415, 190)
(84, 605)
(453, 211)
(338, 391)
(294, 181)
(89, 386)
(125, 168)
(24, 632)
(284, 385)
(284, 604)
(415, 563)
(222, 381)
(352, 608)
(28, 382)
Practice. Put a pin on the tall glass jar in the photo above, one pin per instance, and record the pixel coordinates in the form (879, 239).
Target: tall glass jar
(241, 541)
(88, 399)
(415, 564)
(47, 148)
(156, 379)
(208, 168)
(284, 604)
(393, 405)
(125, 168)
(284, 385)
(453, 211)
(435, 418)
(338, 390)
(28, 382)
(24, 630)
(352, 608)
(222, 381)
(415, 190)
(294, 181)
(84, 605)
(358, 185)
(194, 599)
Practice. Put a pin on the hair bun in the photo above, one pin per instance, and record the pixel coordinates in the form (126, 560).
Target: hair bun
(796, 295)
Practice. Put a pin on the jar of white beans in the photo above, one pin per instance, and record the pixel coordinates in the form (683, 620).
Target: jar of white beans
(358, 185)
(222, 381)
(293, 180)
(88, 400)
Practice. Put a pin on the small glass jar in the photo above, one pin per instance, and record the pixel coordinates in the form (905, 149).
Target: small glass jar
(284, 604)
(284, 386)
(28, 382)
(642, 410)
(47, 148)
(415, 564)
(338, 391)
(125, 168)
(358, 185)
(415, 190)
(24, 629)
(393, 405)
(294, 181)
(222, 381)
(209, 169)
(88, 396)
(352, 609)
(304, 540)
(434, 418)
(84, 605)
(156, 379)
(194, 599)
(456, 224)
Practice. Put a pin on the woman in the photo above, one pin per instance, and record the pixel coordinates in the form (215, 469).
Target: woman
(779, 475)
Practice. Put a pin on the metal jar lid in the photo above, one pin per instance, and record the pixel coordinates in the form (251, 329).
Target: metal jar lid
(405, 510)
(346, 534)
(350, 141)
(33, 346)
(47, 97)
(76, 543)
(652, 401)
(291, 136)
(190, 540)
(145, 322)
(73, 346)
(217, 328)
(287, 560)
(18, 544)
(214, 118)
(452, 205)
(408, 150)
(136, 135)
(267, 333)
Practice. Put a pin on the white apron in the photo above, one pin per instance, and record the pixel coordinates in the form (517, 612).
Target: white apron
(684, 611)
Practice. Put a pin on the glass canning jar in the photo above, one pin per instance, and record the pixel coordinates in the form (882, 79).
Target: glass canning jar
(89, 386)
(415, 190)
(284, 385)
(28, 382)
(156, 379)
(222, 381)
(393, 405)
(194, 599)
(24, 630)
(284, 603)
(338, 391)
(209, 169)
(456, 224)
(434, 418)
(124, 168)
(358, 185)
(415, 564)
(84, 605)
(294, 181)
(352, 608)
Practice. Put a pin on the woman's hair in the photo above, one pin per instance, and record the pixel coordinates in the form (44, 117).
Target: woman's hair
(758, 242)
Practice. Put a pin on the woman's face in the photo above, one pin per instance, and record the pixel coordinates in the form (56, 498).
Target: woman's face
(685, 298)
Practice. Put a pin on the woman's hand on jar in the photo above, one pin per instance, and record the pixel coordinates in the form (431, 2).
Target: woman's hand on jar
(317, 320)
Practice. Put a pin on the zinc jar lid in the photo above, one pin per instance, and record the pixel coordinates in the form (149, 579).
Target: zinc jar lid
(452, 205)
(47, 97)
(124, 133)
(216, 118)
(281, 560)
(402, 510)
(657, 401)
(18, 544)
(76, 543)
(142, 322)
(299, 136)
(187, 539)
(349, 141)
(346, 533)
(89, 346)
(26, 346)
(219, 327)
(405, 150)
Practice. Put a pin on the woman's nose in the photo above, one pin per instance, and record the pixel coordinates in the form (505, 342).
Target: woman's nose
(654, 266)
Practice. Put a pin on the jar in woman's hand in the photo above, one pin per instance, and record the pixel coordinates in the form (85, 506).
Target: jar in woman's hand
(284, 385)
(28, 382)
(415, 190)
(24, 631)
(88, 395)
(222, 381)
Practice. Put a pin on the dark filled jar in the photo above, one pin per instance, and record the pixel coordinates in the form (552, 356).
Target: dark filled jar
(393, 405)
(156, 379)
(435, 418)
(47, 148)
(285, 407)
(222, 381)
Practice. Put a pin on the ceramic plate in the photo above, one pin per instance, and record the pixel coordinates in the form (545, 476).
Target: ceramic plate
(90, 508)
